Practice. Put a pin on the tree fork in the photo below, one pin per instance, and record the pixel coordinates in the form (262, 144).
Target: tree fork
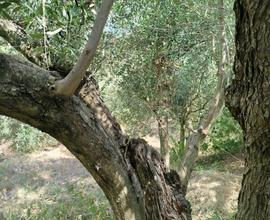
(70, 83)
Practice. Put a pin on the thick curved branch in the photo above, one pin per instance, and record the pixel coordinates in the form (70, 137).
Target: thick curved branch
(25, 94)
(69, 84)
(129, 171)
(17, 38)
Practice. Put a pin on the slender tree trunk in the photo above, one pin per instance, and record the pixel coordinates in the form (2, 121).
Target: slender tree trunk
(198, 136)
(164, 139)
(248, 100)
(182, 130)
(130, 172)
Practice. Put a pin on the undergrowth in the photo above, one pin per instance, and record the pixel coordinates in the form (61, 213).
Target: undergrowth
(24, 138)
(74, 205)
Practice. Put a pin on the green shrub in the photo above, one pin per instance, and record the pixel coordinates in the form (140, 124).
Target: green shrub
(218, 217)
(177, 152)
(226, 134)
(24, 137)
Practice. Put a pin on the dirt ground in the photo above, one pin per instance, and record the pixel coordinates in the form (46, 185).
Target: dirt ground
(25, 178)
(213, 193)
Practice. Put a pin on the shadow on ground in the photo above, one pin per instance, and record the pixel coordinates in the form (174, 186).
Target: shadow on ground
(45, 180)
(53, 184)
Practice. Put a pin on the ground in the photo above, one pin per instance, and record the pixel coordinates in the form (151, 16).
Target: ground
(52, 184)
(214, 187)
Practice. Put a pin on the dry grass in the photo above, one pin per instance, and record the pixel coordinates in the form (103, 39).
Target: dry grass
(51, 184)
(212, 192)
(54, 182)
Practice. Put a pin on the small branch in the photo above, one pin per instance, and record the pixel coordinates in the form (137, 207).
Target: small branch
(199, 108)
(44, 24)
(68, 85)
(17, 38)
(190, 127)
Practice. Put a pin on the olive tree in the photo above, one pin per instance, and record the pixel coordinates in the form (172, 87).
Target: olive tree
(130, 172)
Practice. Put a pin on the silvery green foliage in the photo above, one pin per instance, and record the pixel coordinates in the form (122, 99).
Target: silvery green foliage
(182, 33)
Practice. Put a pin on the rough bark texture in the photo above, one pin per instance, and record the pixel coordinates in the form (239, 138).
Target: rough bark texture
(163, 132)
(182, 135)
(248, 100)
(129, 171)
(16, 36)
(198, 136)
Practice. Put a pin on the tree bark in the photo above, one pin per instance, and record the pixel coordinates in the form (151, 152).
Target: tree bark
(17, 38)
(182, 130)
(216, 104)
(130, 172)
(248, 100)
(164, 139)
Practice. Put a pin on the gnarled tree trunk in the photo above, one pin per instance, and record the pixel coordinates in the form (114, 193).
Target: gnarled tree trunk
(248, 100)
(129, 171)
